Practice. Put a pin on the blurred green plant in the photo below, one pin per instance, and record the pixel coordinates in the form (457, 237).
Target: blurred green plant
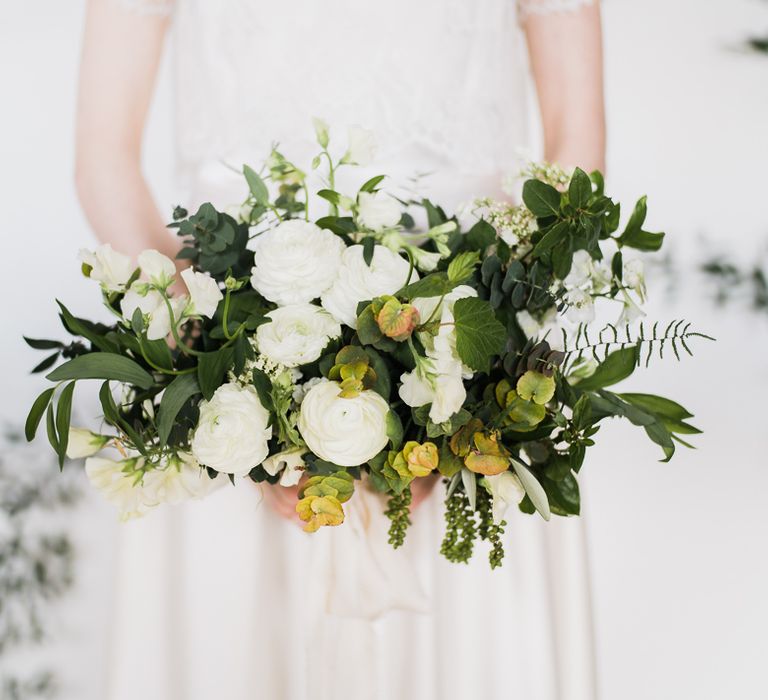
(36, 558)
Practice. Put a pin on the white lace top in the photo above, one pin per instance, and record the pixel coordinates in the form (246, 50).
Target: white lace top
(442, 82)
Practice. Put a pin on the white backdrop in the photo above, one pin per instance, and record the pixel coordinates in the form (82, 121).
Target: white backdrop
(678, 550)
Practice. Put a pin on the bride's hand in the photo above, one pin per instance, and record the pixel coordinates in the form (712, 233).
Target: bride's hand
(283, 499)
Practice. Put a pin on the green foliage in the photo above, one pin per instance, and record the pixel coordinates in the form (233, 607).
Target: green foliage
(103, 365)
(479, 335)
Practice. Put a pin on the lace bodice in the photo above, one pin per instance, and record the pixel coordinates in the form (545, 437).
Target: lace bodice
(442, 82)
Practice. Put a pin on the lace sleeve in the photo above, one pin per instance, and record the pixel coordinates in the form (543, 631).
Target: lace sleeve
(526, 8)
(148, 7)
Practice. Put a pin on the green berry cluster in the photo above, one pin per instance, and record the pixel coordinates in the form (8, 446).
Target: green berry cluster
(488, 530)
(399, 512)
(460, 528)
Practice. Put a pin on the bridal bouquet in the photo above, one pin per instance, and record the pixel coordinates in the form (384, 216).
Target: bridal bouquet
(378, 342)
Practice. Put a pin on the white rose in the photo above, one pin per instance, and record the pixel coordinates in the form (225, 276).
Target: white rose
(358, 282)
(296, 335)
(233, 430)
(295, 262)
(117, 482)
(157, 268)
(346, 432)
(204, 293)
(505, 489)
(154, 309)
(362, 146)
(291, 462)
(83, 443)
(110, 268)
(377, 211)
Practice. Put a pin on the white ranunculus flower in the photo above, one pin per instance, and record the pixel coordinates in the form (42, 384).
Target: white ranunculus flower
(291, 462)
(84, 443)
(232, 431)
(358, 282)
(117, 482)
(110, 268)
(156, 267)
(153, 308)
(204, 293)
(505, 490)
(295, 262)
(346, 432)
(377, 211)
(362, 146)
(296, 335)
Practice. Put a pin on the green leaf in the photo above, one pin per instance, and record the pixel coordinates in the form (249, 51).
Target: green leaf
(42, 344)
(617, 366)
(481, 235)
(433, 285)
(263, 386)
(658, 405)
(634, 236)
(582, 412)
(580, 189)
(50, 424)
(461, 268)
(662, 437)
(78, 326)
(103, 365)
(370, 185)
(256, 185)
(394, 430)
(533, 489)
(369, 245)
(563, 495)
(36, 413)
(211, 369)
(47, 363)
(542, 199)
(63, 417)
(479, 335)
(557, 234)
(176, 394)
(158, 352)
(331, 196)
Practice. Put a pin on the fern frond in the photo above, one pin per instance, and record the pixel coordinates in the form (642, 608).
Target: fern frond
(650, 341)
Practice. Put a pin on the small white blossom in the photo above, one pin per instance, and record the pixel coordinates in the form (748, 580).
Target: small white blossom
(362, 146)
(157, 268)
(204, 293)
(108, 267)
